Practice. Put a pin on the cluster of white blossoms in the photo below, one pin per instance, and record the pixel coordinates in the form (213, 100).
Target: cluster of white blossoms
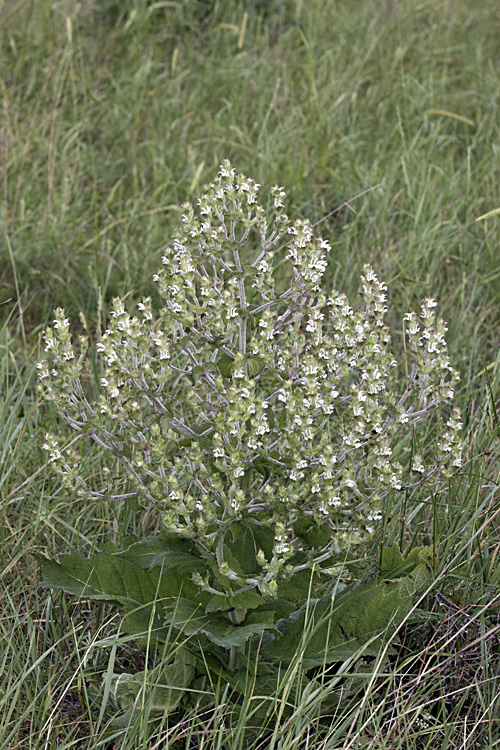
(238, 403)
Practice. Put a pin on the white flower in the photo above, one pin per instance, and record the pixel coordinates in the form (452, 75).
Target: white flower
(226, 170)
(417, 464)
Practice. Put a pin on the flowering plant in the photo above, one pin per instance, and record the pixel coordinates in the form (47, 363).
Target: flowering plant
(262, 418)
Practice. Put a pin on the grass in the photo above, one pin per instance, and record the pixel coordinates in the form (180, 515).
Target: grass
(380, 120)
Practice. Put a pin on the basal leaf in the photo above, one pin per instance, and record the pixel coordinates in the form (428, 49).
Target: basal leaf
(340, 626)
(145, 623)
(101, 578)
(173, 682)
(393, 565)
(300, 585)
(116, 579)
(168, 551)
(162, 690)
(190, 619)
(282, 608)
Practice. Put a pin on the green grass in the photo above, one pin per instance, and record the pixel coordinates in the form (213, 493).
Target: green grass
(116, 113)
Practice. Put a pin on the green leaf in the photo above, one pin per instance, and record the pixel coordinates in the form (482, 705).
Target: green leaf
(282, 608)
(145, 623)
(190, 619)
(225, 365)
(173, 682)
(300, 585)
(393, 565)
(254, 365)
(218, 603)
(361, 615)
(246, 600)
(114, 579)
(391, 561)
(314, 534)
(168, 551)
(418, 580)
(237, 635)
(102, 578)
(242, 544)
(243, 600)
(261, 616)
(162, 690)
(263, 466)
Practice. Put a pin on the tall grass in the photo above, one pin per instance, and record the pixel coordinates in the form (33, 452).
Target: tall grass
(380, 120)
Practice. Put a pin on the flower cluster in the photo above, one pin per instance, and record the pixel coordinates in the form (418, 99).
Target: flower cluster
(237, 403)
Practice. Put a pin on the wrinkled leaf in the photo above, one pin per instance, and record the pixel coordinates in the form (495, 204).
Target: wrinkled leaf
(300, 585)
(162, 690)
(102, 578)
(314, 534)
(113, 579)
(243, 600)
(225, 365)
(393, 565)
(360, 614)
(169, 551)
(190, 619)
(242, 544)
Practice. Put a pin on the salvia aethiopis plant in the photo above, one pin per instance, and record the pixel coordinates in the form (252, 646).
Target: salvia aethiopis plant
(251, 399)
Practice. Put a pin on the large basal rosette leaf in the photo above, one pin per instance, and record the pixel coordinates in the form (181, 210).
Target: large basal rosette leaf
(162, 689)
(361, 618)
(151, 581)
(140, 579)
(166, 550)
(191, 619)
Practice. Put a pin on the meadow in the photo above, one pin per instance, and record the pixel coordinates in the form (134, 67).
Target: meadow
(380, 120)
